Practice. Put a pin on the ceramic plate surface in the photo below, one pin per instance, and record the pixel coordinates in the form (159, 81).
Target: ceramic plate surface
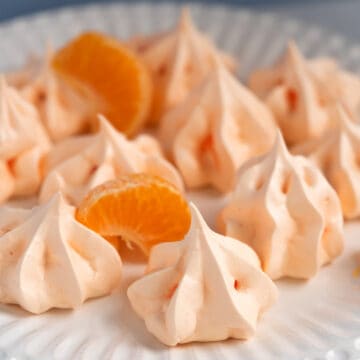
(318, 319)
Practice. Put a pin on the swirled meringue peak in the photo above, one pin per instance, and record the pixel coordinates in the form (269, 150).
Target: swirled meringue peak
(218, 127)
(49, 260)
(207, 287)
(284, 208)
(302, 93)
(78, 164)
(61, 110)
(23, 143)
(337, 154)
(178, 60)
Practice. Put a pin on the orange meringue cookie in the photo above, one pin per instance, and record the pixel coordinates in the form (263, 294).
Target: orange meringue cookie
(178, 60)
(207, 287)
(294, 97)
(23, 144)
(284, 208)
(49, 260)
(218, 127)
(301, 94)
(61, 110)
(337, 154)
(78, 164)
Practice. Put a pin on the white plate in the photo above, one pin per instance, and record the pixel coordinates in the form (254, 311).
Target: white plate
(319, 319)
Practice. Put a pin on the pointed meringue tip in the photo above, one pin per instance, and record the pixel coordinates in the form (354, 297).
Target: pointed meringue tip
(49, 47)
(49, 51)
(279, 142)
(193, 207)
(291, 45)
(107, 129)
(279, 137)
(102, 119)
(293, 51)
(56, 200)
(185, 20)
(293, 48)
(196, 214)
(104, 123)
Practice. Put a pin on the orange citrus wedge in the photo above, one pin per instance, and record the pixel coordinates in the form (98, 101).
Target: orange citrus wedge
(112, 77)
(139, 208)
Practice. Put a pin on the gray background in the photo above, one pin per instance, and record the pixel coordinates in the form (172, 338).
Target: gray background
(342, 16)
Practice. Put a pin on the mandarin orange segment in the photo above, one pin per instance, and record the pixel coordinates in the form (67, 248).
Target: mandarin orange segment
(100, 66)
(139, 208)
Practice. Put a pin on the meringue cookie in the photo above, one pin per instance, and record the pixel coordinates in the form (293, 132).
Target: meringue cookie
(23, 144)
(178, 60)
(215, 130)
(78, 164)
(301, 94)
(49, 260)
(337, 154)
(61, 110)
(287, 212)
(207, 287)
(294, 98)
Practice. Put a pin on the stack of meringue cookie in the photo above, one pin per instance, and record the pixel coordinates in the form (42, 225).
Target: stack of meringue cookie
(285, 149)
